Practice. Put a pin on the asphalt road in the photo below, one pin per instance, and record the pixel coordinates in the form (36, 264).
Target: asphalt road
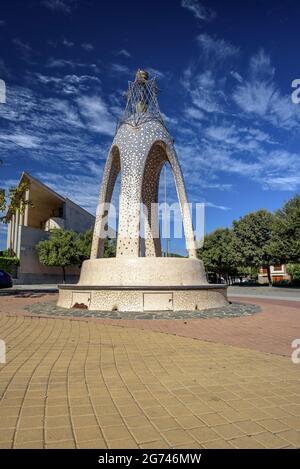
(279, 293)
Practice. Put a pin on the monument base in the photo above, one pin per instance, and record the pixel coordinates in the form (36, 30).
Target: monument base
(143, 284)
(136, 298)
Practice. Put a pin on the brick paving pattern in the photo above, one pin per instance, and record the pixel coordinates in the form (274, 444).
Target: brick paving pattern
(272, 330)
(86, 383)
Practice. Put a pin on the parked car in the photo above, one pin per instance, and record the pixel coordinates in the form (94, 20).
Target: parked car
(5, 279)
(249, 282)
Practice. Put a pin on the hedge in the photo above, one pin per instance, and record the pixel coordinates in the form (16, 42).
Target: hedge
(9, 263)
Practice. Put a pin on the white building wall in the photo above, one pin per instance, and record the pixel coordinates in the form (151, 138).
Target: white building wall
(76, 218)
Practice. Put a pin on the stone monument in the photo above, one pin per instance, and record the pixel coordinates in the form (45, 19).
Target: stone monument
(141, 279)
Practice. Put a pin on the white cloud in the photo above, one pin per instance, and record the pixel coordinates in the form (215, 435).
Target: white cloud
(275, 169)
(282, 183)
(63, 63)
(216, 185)
(240, 137)
(119, 68)
(216, 50)
(261, 67)
(51, 129)
(203, 90)
(69, 84)
(236, 76)
(256, 97)
(199, 11)
(124, 52)
(64, 6)
(260, 96)
(24, 47)
(153, 72)
(68, 111)
(21, 140)
(67, 43)
(194, 113)
(223, 134)
(87, 46)
(53, 63)
(95, 112)
(259, 135)
(219, 207)
(170, 120)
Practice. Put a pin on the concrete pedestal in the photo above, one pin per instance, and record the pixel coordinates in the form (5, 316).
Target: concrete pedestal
(177, 284)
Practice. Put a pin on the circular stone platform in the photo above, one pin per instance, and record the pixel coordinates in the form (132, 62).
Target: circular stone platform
(229, 311)
(143, 284)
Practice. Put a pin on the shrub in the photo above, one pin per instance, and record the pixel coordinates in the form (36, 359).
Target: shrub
(9, 264)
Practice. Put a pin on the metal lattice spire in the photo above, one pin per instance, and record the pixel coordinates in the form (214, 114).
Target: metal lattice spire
(142, 104)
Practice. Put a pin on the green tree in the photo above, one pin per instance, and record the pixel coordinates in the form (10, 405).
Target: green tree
(219, 254)
(84, 245)
(294, 271)
(253, 234)
(14, 200)
(110, 248)
(2, 200)
(60, 250)
(65, 248)
(285, 243)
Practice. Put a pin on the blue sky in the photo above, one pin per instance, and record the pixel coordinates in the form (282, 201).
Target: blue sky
(224, 70)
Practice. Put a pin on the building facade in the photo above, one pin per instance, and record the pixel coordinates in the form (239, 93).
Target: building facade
(49, 210)
(278, 274)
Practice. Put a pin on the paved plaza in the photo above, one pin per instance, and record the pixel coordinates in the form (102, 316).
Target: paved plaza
(185, 383)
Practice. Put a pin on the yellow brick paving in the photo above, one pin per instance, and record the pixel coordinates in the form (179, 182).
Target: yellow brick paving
(81, 384)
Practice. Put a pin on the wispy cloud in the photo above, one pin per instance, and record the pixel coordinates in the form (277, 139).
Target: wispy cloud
(219, 207)
(199, 10)
(63, 6)
(87, 46)
(282, 183)
(259, 95)
(23, 46)
(4, 70)
(96, 114)
(217, 185)
(261, 67)
(56, 131)
(236, 76)
(123, 52)
(69, 84)
(203, 90)
(119, 68)
(153, 72)
(215, 51)
(2, 23)
(21, 140)
(193, 113)
(63, 63)
(67, 43)
(64, 42)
